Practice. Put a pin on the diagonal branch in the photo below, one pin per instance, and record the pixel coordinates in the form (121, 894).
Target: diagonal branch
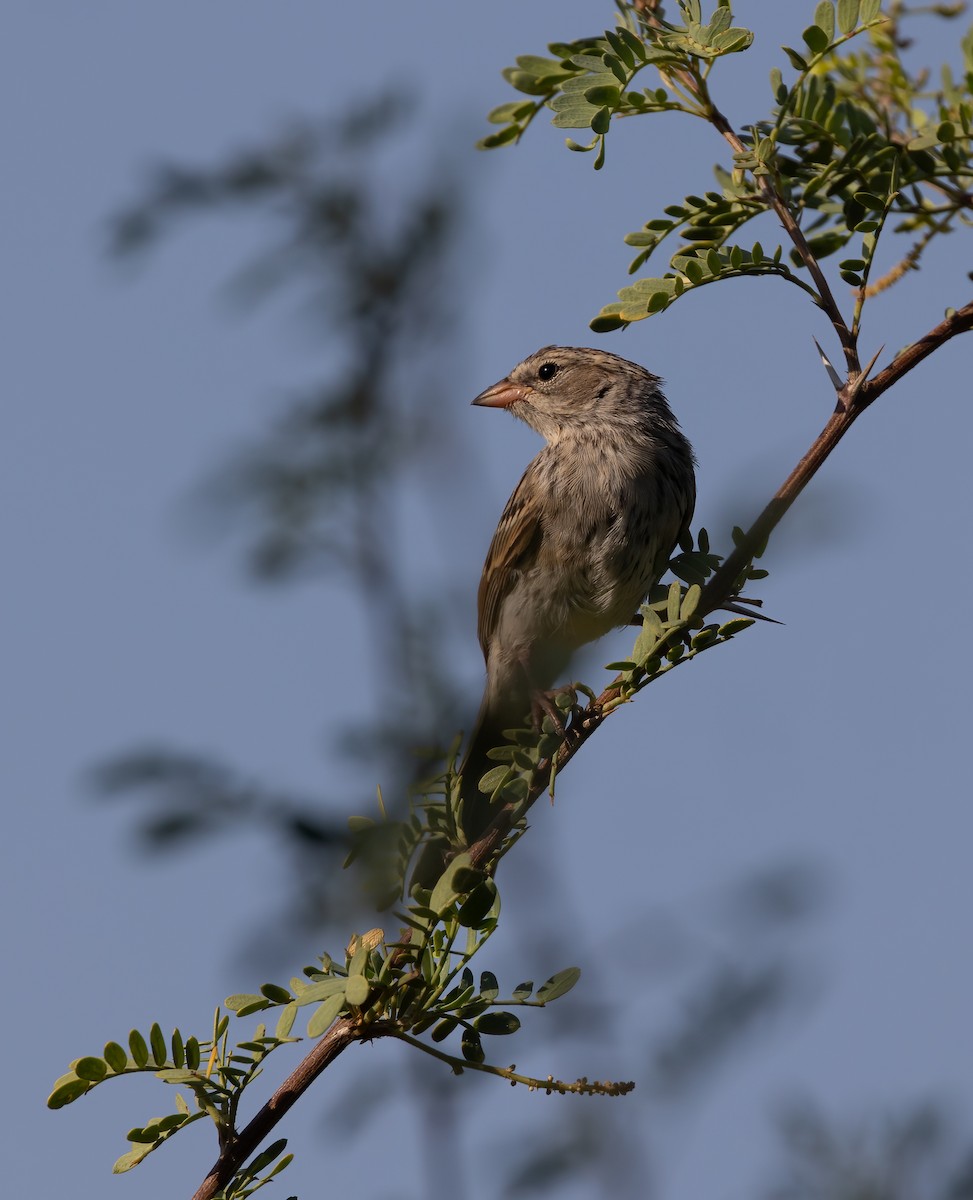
(238, 1150)
(960, 320)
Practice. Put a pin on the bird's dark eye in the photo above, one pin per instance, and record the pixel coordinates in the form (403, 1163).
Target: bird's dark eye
(547, 371)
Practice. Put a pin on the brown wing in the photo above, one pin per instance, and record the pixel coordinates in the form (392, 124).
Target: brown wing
(514, 547)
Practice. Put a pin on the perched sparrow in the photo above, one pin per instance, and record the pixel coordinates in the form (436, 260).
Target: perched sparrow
(587, 532)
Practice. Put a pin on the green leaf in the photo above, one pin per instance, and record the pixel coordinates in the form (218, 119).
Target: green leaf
(192, 1053)
(322, 990)
(693, 270)
(525, 82)
(870, 201)
(720, 22)
(537, 64)
(177, 1075)
(707, 635)
(870, 9)
(635, 44)
(489, 988)
(690, 602)
(285, 1022)
(847, 15)
(558, 984)
(472, 1047)
(140, 1051)
(797, 62)
(91, 1068)
(275, 993)
(492, 140)
(66, 1090)
(444, 1029)
(282, 1165)
(132, 1159)
(674, 603)
(245, 1003)
(735, 626)
(178, 1049)
(601, 121)
(359, 960)
(608, 320)
(266, 1157)
(467, 878)
(357, 990)
(734, 40)
(603, 95)
(824, 18)
(621, 48)
(492, 780)
(824, 244)
(445, 893)
(503, 114)
(617, 69)
(116, 1057)
(145, 1136)
(817, 40)
(324, 1016)
(496, 1024)
(523, 990)
(479, 905)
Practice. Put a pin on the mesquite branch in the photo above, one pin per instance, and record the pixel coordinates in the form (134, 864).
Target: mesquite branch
(235, 1154)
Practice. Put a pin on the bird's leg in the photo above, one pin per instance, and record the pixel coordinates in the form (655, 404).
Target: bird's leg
(542, 702)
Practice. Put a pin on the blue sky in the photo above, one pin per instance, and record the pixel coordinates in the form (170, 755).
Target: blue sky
(838, 740)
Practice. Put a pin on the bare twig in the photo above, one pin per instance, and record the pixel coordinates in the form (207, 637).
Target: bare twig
(958, 321)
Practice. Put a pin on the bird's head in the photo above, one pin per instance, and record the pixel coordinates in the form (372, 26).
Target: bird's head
(565, 388)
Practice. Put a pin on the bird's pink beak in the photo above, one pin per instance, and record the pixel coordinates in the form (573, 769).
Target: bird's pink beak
(503, 394)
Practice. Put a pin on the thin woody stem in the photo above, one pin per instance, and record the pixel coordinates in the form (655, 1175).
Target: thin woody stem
(849, 343)
(696, 85)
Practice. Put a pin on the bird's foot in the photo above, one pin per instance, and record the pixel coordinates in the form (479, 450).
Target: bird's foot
(562, 707)
(546, 705)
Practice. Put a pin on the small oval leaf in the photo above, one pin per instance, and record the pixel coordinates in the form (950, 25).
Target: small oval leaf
(496, 1024)
(558, 984)
(91, 1068)
(357, 990)
(116, 1057)
(324, 1016)
(138, 1047)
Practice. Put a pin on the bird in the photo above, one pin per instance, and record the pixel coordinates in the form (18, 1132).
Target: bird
(585, 535)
